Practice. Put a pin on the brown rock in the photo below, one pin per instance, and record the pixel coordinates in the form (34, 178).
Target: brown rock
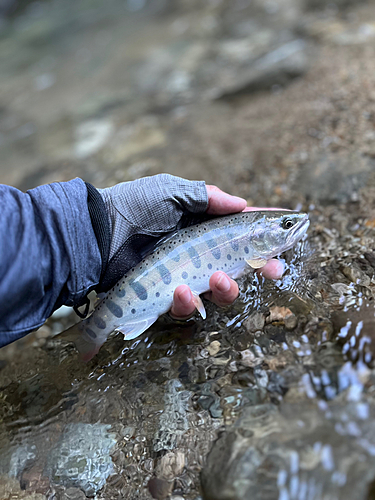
(282, 315)
(254, 322)
(159, 488)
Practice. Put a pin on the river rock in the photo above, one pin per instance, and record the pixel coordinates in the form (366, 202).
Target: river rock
(298, 451)
(81, 458)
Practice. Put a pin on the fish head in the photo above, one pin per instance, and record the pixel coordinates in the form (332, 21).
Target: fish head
(276, 231)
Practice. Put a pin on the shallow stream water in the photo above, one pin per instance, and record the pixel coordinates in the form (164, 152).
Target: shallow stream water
(272, 397)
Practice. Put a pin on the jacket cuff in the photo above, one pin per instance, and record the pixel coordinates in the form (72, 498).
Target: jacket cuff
(100, 224)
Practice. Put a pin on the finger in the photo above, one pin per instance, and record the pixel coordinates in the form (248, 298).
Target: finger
(224, 291)
(220, 203)
(273, 270)
(183, 304)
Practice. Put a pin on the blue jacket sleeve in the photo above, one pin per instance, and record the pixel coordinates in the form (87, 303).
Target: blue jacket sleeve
(49, 254)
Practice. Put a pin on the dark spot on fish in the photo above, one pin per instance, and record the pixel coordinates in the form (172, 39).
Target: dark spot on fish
(184, 275)
(216, 253)
(209, 266)
(157, 294)
(176, 258)
(133, 311)
(194, 277)
(194, 256)
(139, 289)
(99, 322)
(234, 245)
(164, 274)
(114, 308)
(229, 257)
(91, 333)
(246, 249)
(121, 292)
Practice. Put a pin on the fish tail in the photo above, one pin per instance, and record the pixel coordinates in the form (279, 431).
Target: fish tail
(85, 345)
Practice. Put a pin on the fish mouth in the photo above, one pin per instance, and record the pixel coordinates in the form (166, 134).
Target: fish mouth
(298, 231)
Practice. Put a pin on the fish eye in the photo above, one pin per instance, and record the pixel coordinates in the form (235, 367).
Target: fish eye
(287, 223)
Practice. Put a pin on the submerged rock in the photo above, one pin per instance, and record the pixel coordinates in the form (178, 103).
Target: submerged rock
(81, 458)
(301, 451)
(10, 489)
(16, 459)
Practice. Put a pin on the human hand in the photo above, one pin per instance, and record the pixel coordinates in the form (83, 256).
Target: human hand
(223, 290)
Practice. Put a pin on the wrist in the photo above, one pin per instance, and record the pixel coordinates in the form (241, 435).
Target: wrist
(100, 223)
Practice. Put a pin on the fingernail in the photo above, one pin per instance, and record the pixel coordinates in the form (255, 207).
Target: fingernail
(185, 296)
(280, 270)
(223, 285)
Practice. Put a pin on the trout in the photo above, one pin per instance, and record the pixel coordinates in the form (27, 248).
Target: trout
(234, 244)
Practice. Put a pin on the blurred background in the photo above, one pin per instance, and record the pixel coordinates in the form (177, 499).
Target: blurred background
(273, 100)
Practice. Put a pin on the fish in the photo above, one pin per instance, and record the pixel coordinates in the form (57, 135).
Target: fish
(235, 244)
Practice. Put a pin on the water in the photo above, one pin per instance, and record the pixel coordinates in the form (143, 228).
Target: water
(285, 376)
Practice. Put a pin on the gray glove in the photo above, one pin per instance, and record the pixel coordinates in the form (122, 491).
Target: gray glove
(139, 213)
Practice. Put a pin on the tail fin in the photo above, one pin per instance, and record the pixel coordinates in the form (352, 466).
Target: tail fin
(84, 344)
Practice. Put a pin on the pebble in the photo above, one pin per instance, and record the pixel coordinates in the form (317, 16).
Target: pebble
(254, 322)
(283, 315)
(214, 348)
(159, 488)
(171, 465)
(355, 275)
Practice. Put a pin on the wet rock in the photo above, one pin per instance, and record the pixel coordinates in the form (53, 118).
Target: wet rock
(171, 465)
(14, 461)
(277, 67)
(32, 479)
(214, 348)
(355, 275)
(283, 315)
(304, 448)
(209, 400)
(81, 458)
(10, 490)
(249, 359)
(254, 322)
(159, 488)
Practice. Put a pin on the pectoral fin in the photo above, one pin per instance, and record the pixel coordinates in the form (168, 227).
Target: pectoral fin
(133, 330)
(256, 263)
(199, 305)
